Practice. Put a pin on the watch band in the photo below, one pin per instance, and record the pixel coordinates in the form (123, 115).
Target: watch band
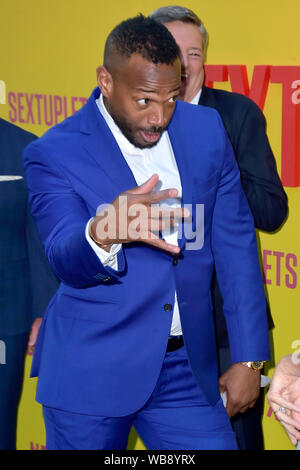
(255, 365)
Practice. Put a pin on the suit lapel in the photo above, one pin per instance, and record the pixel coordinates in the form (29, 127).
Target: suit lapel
(102, 146)
(207, 97)
(180, 151)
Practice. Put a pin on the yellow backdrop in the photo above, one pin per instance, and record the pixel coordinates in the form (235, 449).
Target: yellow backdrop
(49, 53)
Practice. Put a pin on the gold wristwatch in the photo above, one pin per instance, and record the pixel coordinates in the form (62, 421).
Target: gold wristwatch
(255, 365)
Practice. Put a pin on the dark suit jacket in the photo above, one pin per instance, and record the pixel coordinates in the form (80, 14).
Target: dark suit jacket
(26, 280)
(246, 128)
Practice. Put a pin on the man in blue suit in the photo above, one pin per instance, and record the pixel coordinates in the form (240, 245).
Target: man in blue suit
(128, 339)
(246, 128)
(27, 281)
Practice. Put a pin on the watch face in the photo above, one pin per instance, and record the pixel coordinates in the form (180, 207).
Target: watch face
(257, 365)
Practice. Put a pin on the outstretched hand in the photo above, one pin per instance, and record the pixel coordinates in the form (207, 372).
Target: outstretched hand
(135, 216)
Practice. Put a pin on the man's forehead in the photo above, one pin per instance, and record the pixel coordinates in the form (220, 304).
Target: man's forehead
(140, 72)
(189, 32)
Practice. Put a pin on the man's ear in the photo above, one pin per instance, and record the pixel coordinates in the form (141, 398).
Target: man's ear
(105, 81)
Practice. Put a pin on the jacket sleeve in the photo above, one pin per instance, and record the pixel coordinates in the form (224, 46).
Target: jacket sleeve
(43, 281)
(237, 266)
(261, 183)
(61, 216)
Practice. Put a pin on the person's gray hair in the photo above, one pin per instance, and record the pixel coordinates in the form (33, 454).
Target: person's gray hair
(176, 13)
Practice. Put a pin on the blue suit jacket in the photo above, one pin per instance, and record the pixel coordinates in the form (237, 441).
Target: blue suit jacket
(105, 334)
(27, 282)
(246, 128)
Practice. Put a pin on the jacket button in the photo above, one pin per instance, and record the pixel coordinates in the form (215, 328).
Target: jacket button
(175, 261)
(168, 307)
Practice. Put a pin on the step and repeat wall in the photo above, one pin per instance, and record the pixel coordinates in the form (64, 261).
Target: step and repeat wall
(50, 50)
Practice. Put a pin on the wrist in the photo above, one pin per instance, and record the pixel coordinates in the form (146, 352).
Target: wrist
(104, 244)
(254, 365)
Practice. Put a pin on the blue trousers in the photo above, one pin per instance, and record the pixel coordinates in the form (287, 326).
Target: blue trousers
(11, 379)
(177, 416)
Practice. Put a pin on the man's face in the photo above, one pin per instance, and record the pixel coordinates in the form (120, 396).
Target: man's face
(140, 96)
(190, 42)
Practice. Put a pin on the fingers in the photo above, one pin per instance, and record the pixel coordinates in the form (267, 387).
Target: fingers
(293, 440)
(146, 187)
(31, 342)
(151, 197)
(165, 218)
(168, 212)
(291, 426)
(158, 196)
(146, 190)
(276, 400)
(147, 230)
(152, 219)
(158, 213)
(159, 243)
(29, 349)
(33, 335)
(243, 409)
(142, 220)
(232, 408)
(157, 225)
(135, 214)
(252, 404)
(287, 420)
(293, 433)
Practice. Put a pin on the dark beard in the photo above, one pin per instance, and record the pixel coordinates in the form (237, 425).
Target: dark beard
(127, 131)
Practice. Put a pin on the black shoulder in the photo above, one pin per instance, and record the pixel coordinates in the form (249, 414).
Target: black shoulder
(232, 100)
(11, 132)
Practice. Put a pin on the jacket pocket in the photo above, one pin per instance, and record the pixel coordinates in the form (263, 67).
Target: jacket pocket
(87, 309)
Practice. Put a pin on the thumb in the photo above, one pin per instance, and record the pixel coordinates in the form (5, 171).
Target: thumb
(146, 187)
(32, 337)
(222, 384)
(34, 331)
